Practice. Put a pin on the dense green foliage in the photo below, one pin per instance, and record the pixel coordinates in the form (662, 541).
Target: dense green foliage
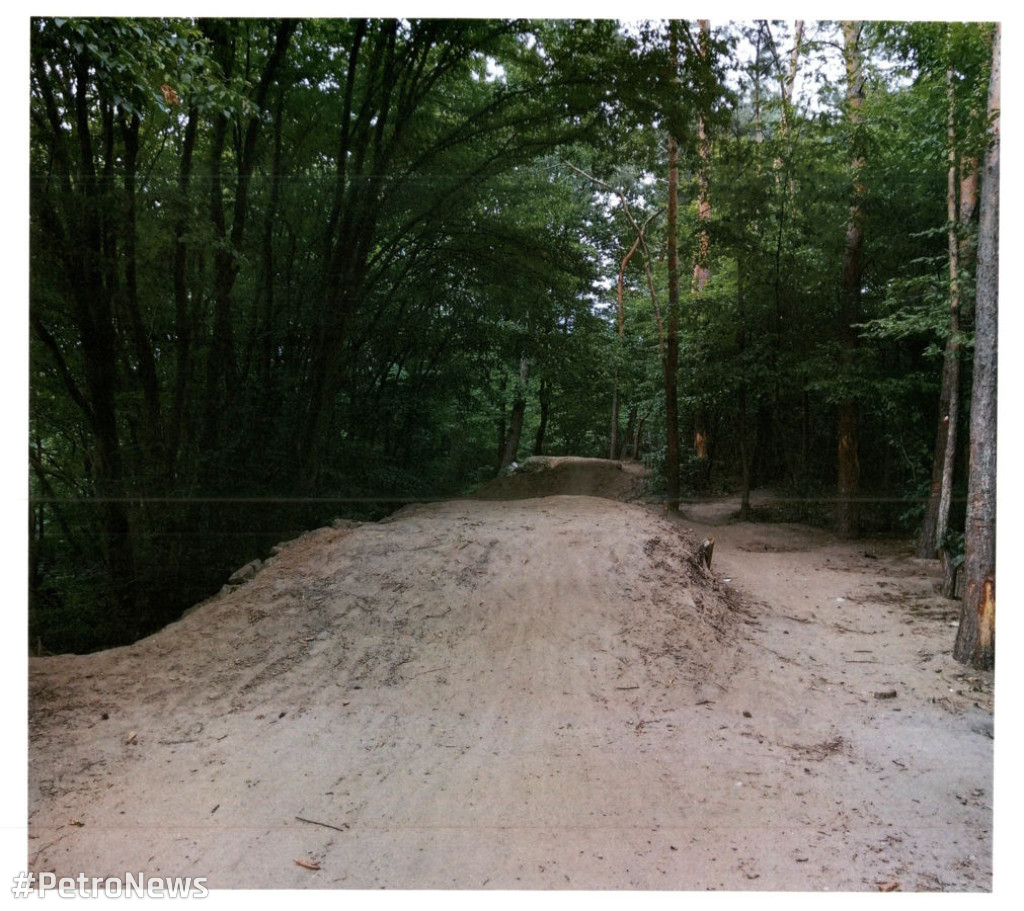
(283, 270)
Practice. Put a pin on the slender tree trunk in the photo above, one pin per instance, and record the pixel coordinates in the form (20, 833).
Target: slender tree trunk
(670, 358)
(670, 354)
(787, 96)
(613, 442)
(936, 519)
(745, 457)
(626, 447)
(638, 435)
(976, 636)
(265, 340)
(222, 378)
(220, 360)
(518, 415)
(146, 364)
(544, 397)
(743, 419)
(847, 417)
(702, 255)
(966, 216)
(94, 316)
(183, 310)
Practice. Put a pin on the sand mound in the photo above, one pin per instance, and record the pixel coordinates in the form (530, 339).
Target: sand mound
(478, 655)
(545, 476)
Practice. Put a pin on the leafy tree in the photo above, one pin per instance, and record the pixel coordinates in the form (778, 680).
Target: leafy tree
(282, 268)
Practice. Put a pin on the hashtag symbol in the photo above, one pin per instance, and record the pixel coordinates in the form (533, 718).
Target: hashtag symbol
(23, 885)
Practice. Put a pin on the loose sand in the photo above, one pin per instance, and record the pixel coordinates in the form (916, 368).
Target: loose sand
(532, 693)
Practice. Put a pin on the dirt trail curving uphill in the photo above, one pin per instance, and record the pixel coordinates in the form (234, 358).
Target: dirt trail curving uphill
(533, 693)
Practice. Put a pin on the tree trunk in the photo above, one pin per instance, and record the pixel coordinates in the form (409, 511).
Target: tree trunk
(702, 255)
(220, 360)
(745, 456)
(222, 377)
(99, 351)
(626, 446)
(152, 432)
(743, 419)
(544, 397)
(638, 435)
(670, 356)
(847, 417)
(515, 424)
(183, 310)
(976, 636)
(936, 519)
(265, 323)
(613, 442)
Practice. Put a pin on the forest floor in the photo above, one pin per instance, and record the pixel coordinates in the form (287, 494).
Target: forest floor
(541, 691)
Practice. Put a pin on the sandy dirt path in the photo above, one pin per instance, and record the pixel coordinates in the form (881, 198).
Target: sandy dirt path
(850, 673)
(539, 693)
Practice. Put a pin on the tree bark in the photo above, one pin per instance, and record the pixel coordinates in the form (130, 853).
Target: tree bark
(183, 310)
(976, 636)
(99, 348)
(518, 415)
(613, 441)
(743, 419)
(670, 354)
(847, 412)
(702, 255)
(613, 445)
(936, 519)
(670, 357)
(544, 397)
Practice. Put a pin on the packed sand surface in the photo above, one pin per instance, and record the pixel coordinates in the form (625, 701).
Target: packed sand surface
(539, 691)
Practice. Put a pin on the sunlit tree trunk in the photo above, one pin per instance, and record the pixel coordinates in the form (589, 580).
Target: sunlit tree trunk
(670, 355)
(936, 519)
(847, 417)
(702, 254)
(976, 636)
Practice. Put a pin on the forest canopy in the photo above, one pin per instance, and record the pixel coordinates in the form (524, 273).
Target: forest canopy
(283, 270)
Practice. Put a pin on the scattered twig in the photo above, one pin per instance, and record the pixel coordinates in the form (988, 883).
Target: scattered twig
(306, 865)
(326, 825)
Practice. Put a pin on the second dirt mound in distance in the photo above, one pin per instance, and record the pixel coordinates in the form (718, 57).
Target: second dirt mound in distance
(545, 476)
